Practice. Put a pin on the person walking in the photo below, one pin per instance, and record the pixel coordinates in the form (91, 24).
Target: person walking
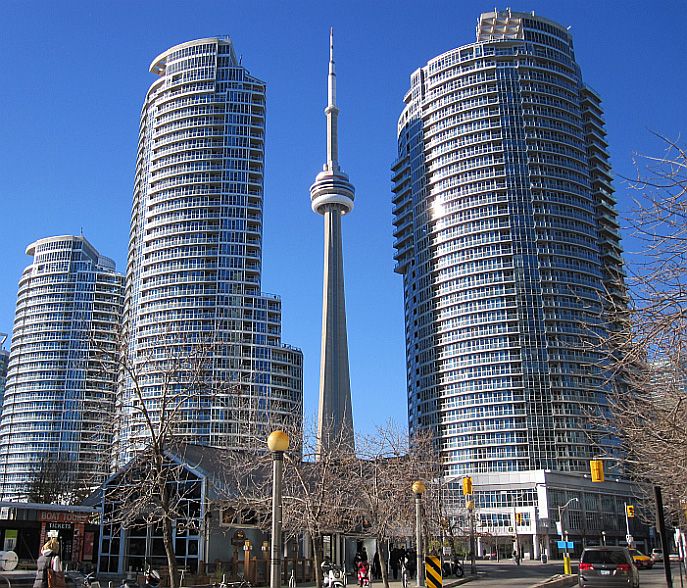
(356, 560)
(394, 562)
(49, 564)
(376, 567)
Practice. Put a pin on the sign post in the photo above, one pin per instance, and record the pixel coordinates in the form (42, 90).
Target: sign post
(433, 574)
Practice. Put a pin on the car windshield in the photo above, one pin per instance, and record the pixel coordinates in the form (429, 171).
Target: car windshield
(604, 556)
(634, 552)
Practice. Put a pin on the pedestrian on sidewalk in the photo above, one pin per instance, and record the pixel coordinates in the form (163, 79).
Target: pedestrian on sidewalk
(393, 562)
(376, 567)
(49, 567)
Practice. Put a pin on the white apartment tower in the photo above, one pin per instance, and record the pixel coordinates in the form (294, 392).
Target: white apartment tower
(58, 409)
(195, 252)
(507, 241)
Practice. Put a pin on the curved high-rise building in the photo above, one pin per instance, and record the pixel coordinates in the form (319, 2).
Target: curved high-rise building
(195, 256)
(58, 410)
(507, 240)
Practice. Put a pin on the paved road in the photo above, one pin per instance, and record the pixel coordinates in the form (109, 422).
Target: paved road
(508, 575)
(489, 575)
(655, 578)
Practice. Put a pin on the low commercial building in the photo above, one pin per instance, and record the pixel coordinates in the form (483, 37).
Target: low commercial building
(24, 529)
(211, 537)
(529, 510)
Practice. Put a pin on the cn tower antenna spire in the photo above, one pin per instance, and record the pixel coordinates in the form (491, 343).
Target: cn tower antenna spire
(332, 196)
(332, 111)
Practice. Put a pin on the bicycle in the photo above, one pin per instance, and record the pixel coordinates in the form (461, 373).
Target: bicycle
(89, 581)
(240, 583)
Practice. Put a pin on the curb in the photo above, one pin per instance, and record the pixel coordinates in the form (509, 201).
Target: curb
(557, 581)
(464, 580)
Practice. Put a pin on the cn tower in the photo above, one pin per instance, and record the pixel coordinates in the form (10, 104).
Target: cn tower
(332, 196)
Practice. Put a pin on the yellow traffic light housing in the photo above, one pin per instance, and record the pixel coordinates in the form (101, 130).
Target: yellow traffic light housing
(630, 510)
(467, 486)
(518, 519)
(597, 469)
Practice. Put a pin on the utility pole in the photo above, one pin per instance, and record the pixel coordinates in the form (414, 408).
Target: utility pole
(663, 533)
(567, 569)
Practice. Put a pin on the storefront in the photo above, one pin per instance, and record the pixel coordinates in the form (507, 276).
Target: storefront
(24, 528)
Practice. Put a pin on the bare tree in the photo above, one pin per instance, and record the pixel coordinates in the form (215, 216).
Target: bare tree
(648, 407)
(388, 465)
(49, 482)
(317, 491)
(152, 488)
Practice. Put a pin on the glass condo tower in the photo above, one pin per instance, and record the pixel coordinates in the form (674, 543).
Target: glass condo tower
(195, 254)
(58, 411)
(507, 240)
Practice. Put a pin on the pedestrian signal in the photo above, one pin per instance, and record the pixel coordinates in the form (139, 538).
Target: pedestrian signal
(630, 510)
(597, 468)
(467, 486)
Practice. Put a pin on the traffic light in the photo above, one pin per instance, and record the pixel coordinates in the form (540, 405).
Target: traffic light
(597, 468)
(467, 485)
(518, 519)
(630, 511)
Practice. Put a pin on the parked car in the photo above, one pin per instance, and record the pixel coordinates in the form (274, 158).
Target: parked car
(643, 562)
(607, 567)
(657, 554)
(674, 557)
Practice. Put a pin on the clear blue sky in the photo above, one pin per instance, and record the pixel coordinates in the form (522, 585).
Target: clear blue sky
(73, 75)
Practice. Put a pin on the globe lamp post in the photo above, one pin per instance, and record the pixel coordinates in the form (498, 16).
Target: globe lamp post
(418, 488)
(278, 443)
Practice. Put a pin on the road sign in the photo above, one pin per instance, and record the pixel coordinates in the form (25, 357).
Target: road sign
(630, 539)
(565, 544)
(433, 575)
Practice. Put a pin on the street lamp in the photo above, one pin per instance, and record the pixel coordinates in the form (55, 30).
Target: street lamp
(566, 556)
(278, 443)
(418, 488)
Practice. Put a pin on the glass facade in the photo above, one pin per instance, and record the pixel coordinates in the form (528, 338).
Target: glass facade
(4, 360)
(507, 241)
(58, 409)
(195, 252)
